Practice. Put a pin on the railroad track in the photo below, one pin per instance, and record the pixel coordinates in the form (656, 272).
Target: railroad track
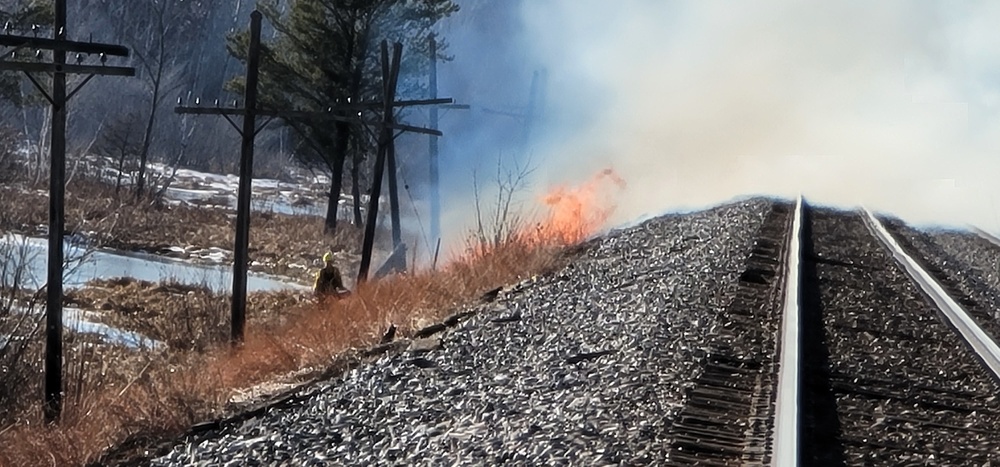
(849, 343)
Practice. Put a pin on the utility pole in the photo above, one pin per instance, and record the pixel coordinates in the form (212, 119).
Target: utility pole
(249, 130)
(57, 198)
(241, 257)
(387, 155)
(248, 133)
(390, 75)
(433, 150)
(536, 95)
(58, 98)
(538, 84)
(397, 233)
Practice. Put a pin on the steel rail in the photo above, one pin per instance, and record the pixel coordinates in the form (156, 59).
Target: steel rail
(785, 451)
(980, 342)
(985, 235)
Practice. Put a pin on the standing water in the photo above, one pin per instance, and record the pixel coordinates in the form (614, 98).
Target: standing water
(83, 266)
(29, 256)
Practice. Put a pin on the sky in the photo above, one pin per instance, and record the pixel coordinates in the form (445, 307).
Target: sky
(892, 104)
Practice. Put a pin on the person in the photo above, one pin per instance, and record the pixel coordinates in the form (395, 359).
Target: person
(329, 282)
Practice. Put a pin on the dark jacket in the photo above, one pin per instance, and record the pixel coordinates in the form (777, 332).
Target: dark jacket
(328, 281)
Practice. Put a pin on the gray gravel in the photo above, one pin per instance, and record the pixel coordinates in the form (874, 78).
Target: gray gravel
(974, 262)
(965, 264)
(907, 390)
(587, 366)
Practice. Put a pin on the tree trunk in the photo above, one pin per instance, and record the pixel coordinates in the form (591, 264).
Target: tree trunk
(146, 140)
(156, 81)
(43, 148)
(337, 176)
(147, 137)
(356, 159)
(121, 167)
(356, 186)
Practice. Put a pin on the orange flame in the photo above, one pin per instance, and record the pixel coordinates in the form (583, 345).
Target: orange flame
(576, 213)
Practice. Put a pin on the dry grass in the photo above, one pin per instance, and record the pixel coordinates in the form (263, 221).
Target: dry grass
(184, 317)
(115, 395)
(158, 398)
(174, 389)
(125, 223)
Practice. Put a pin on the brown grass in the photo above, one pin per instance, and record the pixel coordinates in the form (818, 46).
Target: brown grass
(185, 317)
(125, 223)
(173, 390)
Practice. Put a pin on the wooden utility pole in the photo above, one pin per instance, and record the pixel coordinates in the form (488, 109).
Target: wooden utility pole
(248, 133)
(433, 150)
(390, 75)
(536, 95)
(538, 84)
(57, 198)
(397, 232)
(241, 257)
(59, 45)
(249, 130)
(386, 155)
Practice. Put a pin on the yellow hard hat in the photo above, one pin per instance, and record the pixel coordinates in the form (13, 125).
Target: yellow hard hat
(328, 257)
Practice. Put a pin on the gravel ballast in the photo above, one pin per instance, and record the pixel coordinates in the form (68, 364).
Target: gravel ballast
(972, 263)
(586, 366)
(906, 389)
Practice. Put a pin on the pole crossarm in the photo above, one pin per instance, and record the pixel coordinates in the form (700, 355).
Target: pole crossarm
(296, 114)
(32, 67)
(285, 114)
(377, 105)
(411, 128)
(446, 103)
(7, 40)
(417, 102)
(504, 113)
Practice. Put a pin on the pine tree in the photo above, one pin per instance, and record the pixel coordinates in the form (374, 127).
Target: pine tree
(325, 51)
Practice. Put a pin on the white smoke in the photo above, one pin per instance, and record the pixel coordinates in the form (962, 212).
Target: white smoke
(893, 104)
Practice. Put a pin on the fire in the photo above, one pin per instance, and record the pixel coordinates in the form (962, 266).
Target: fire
(575, 213)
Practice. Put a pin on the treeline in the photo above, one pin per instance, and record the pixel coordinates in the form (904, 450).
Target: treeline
(178, 48)
(317, 53)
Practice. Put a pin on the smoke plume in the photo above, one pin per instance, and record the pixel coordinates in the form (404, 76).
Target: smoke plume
(891, 104)
(887, 104)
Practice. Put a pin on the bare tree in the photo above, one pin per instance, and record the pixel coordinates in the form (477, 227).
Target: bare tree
(40, 148)
(149, 28)
(505, 220)
(8, 151)
(120, 142)
(20, 323)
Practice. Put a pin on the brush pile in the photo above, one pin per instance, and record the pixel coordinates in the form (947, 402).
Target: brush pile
(588, 365)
